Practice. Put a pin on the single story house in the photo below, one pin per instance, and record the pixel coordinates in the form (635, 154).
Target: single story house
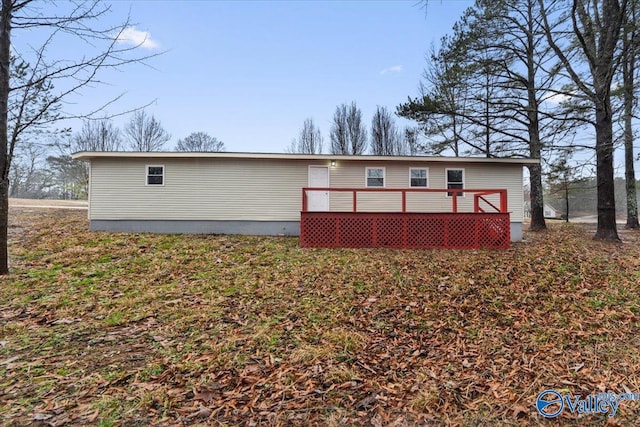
(548, 210)
(268, 194)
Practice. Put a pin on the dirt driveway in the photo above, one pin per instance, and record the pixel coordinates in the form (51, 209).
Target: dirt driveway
(52, 204)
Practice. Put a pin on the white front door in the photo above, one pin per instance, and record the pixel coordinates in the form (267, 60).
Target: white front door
(318, 201)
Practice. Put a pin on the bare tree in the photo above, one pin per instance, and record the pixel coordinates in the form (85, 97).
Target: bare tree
(70, 177)
(310, 140)
(26, 177)
(385, 140)
(96, 135)
(339, 132)
(348, 133)
(410, 144)
(597, 25)
(145, 133)
(200, 141)
(630, 50)
(356, 130)
(23, 108)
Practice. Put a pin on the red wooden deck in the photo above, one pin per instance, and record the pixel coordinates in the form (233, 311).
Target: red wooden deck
(454, 230)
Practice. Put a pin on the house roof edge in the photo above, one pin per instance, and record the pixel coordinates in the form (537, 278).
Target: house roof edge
(91, 155)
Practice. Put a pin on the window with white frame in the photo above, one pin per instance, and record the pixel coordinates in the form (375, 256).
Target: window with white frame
(375, 177)
(455, 180)
(155, 175)
(419, 177)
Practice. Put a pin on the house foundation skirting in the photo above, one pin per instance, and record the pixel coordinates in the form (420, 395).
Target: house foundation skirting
(255, 228)
(258, 228)
(516, 231)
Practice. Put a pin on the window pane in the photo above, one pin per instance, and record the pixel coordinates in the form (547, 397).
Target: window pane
(454, 175)
(418, 177)
(375, 182)
(154, 180)
(454, 180)
(418, 182)
(375, 177)
(418, 173)
(375, 173)
(155, 170)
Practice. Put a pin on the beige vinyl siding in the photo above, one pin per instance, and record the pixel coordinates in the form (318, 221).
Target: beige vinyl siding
(478, 176)
(508, 177)
(270, 189)
(353, 175)
(198, 189)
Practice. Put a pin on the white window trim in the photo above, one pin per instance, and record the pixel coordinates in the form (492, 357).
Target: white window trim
(419, 169)
(366, 176)
(146, 175)
(446, 181)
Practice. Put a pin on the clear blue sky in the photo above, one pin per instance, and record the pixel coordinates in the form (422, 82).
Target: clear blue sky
(250, 72)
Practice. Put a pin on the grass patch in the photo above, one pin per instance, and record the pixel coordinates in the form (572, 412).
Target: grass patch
(140, 329)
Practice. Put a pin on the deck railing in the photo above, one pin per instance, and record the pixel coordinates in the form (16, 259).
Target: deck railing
(480, 202)
(487, 226)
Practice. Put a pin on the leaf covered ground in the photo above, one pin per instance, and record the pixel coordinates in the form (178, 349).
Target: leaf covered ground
(140, 329)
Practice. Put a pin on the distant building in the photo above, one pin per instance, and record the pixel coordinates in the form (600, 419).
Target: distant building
(549, 211)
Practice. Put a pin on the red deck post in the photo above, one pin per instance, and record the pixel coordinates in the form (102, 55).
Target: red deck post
(404, 201)
(454, 201)
(503, 201)
(355, 203)
(304, 200)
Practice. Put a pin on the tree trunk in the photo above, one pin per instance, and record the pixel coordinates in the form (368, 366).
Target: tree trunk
(4, 226)
(598, 38)
(629, 171)
(454, 126)
(566, 199)
(537, 201)
(628, 70)
(487, 141)
(535, 145)
(603, 68)
(5, 161)
(604, 163)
